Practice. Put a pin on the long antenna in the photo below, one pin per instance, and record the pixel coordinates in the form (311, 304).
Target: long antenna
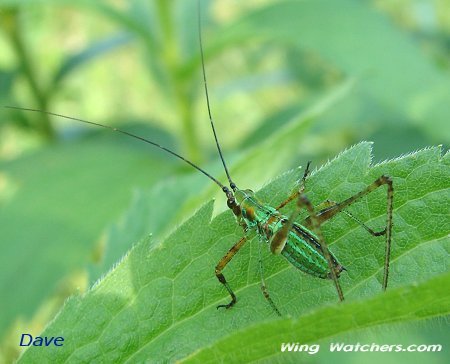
(232, 184)
(224, 188)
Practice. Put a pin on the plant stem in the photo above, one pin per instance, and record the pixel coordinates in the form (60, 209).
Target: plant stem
(10, 19)
(180, 87)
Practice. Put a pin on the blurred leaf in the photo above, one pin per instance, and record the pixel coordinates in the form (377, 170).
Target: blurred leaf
(63, 198)
(272, 124)
(157, 215)
(93, 51)
(6, 82)
(162, 290)
(362, 43)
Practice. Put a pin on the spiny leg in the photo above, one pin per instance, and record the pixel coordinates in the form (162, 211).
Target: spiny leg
(222, 264)
(264, 289)
(324, 206)
(330, 212)
(299, 191)
(368, 229)
(315, 224)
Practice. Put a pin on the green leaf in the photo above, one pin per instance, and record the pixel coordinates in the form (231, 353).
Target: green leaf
(159, 303)
(262, 341)
(93, 51)
(60, 200)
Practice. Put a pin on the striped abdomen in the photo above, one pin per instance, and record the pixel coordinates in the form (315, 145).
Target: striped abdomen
(303, 251)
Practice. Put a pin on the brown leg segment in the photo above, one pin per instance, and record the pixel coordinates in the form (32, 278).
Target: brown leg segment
(300, 190)
(330, 212)
(222, 264)
(264, 289)
(325, 206)
(315, 224)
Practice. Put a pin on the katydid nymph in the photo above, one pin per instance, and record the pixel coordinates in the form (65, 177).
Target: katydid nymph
(300, 243)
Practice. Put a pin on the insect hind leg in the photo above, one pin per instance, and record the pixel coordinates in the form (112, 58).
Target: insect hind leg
(303, 201)
(324, 208)
(331, 211)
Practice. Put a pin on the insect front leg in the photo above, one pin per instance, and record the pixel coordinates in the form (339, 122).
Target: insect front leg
(279, 239)
(299, 191)
(222, 264)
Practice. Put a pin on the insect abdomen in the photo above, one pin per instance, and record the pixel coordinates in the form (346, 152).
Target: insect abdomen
(303, 251)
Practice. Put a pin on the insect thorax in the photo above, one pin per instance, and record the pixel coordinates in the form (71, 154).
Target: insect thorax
(260, 217)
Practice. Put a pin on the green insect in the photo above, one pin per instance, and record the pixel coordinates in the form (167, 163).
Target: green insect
(301, 244)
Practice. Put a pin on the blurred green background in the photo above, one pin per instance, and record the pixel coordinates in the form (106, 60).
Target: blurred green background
(348, 70)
